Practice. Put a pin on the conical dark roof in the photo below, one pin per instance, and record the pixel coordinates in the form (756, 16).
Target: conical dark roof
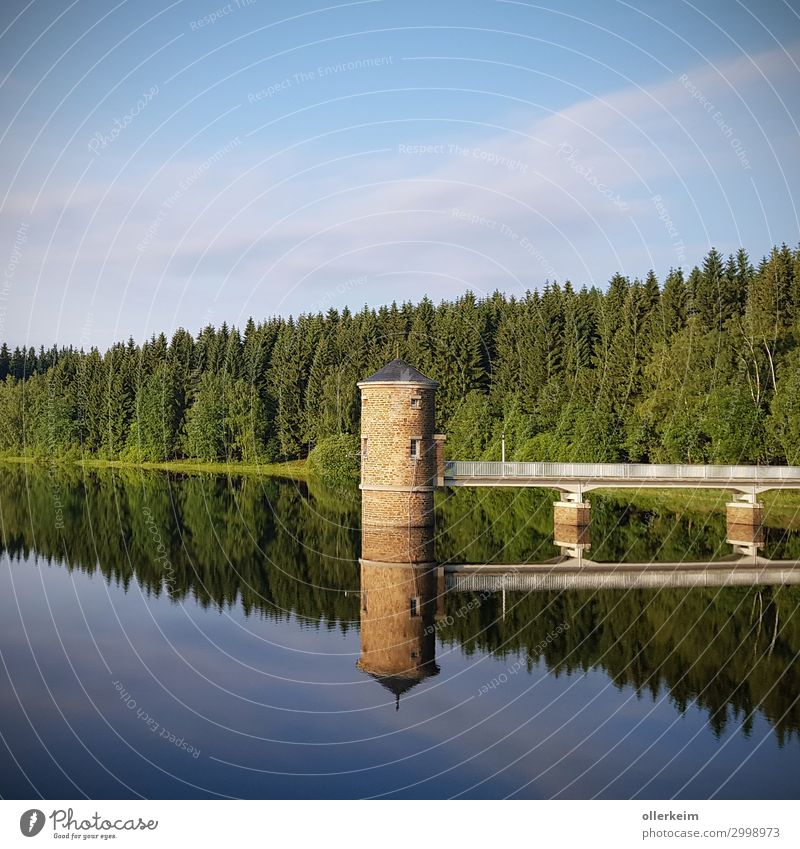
(399, 371)
(401, 683)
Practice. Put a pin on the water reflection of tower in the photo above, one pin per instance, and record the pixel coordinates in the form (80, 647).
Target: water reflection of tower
(401, 461)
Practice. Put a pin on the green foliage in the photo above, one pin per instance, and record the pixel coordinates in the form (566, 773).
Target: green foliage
(335, 459)
(784, 420)
(205, 422)
(704, 369)
(470, 429)
(293, 551)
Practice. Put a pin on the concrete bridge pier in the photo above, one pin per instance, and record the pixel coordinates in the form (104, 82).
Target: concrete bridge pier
(745, 516)
(572, 510)
(745, 510)
(573, 540)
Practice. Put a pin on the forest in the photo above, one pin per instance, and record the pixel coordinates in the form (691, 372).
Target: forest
(699, 367)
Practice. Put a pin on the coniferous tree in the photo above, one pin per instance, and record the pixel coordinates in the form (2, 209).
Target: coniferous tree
(704, 369)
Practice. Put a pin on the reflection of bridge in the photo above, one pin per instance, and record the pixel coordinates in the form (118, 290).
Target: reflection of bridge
(581, 573)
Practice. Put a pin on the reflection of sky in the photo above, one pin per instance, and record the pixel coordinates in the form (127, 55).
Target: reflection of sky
(233, 192)
(259, 694)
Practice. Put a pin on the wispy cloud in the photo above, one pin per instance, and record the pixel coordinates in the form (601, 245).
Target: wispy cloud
(570, 195)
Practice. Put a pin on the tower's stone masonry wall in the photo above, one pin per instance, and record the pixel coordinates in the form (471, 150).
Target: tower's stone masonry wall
(399, 544)
(396, 640)
(396, 509)
(389, 422)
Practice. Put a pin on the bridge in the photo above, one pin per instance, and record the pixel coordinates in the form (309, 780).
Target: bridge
(577, 478)
(572, 480)
(403, 587)
(402, 463)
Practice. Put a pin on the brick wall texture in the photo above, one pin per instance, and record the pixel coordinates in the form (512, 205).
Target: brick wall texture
(389, 422)
(573, 534)
(396, 509)
(578, 514)
(744, 515)
(396, 638)
(397, 544)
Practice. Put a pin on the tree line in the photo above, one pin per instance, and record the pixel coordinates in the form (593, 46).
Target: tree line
(703, 367)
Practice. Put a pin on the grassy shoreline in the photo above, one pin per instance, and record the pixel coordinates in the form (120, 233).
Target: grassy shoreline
(781, 507)
(292, 469)
(784, 503)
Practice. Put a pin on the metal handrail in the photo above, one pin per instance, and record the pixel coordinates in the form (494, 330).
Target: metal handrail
(617, 471)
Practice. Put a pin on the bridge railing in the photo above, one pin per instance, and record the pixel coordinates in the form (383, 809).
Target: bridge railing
(612, 471)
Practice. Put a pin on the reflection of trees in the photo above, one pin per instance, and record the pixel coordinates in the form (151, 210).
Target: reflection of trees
(266, 545)
(277, 548)
(732, 651)
(495, 525)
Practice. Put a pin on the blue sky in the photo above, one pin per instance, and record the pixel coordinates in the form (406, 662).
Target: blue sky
(174, 165)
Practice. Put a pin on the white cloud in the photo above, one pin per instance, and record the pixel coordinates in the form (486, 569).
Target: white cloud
(570, 195)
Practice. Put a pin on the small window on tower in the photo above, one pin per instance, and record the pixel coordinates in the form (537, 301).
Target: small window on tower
(414, 605)
(415, 446)
(415, 403)
(363, 447)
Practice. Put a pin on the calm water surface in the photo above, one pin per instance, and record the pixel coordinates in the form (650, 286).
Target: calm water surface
(167, 636)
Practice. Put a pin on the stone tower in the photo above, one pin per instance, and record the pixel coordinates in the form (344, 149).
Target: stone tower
(402, 459)
(402, 462)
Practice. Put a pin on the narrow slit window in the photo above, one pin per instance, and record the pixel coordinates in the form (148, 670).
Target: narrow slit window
(415, 403)
(415, 448)
(363, 447)
(414, 605)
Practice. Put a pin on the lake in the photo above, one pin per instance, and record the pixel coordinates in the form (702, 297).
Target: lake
(169, 636)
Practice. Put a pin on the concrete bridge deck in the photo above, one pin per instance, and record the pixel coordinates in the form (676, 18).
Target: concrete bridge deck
(582, 573)
(577, 478)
